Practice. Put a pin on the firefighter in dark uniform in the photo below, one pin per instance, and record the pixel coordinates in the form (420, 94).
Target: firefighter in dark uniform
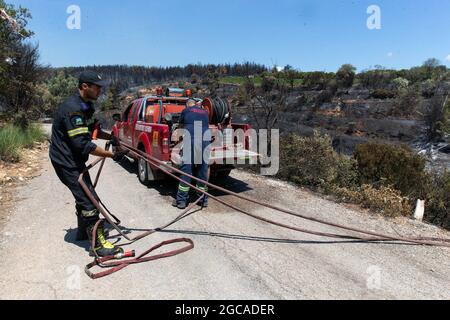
(193, 119)
(70, 148)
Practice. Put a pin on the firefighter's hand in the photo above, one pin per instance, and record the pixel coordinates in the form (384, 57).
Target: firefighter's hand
(114, 141)
(118, 155)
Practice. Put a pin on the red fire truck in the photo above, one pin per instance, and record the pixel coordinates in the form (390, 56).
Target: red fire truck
(148, 123)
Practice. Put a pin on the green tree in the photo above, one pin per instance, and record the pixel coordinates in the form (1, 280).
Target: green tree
(431, 63)
(290, 75)
(55, 91)
(434, 69)
(379, 78)
(317, 80)
(111, 100)
(345, 76)
(400, 84)
(20, 70)
(108, 104)
(13, 23)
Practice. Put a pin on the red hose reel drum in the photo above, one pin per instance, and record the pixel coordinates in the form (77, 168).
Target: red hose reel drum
(208, 105)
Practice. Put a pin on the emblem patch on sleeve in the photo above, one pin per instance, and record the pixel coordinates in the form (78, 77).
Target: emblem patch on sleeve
(77, 121)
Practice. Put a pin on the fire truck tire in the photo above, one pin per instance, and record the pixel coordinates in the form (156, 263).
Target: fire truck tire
(143, 171)
(220, 175)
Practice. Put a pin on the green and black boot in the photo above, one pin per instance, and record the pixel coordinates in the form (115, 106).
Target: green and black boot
(103, 247)
(81, 230)
(84, 218)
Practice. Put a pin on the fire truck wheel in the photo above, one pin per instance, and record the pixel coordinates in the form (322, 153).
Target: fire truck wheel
(220, 175)
(143, 171)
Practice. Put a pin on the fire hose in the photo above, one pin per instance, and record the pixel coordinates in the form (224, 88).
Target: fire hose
(118, 264)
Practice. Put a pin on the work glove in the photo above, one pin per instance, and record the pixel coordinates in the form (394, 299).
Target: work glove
(114, 141)
(118, 155)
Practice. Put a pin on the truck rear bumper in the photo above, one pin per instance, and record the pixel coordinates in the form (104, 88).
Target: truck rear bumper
(235, 158)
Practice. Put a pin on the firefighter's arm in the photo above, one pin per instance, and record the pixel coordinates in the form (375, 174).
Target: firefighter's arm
(80, 139)
(117, 156)
(100, 152)
(78, 133)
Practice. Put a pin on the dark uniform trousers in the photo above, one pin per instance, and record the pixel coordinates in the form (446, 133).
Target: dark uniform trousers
(69, 177)
(190, 118)
(198, 170)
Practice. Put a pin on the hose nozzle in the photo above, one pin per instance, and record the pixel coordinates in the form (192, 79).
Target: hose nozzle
(126, 254)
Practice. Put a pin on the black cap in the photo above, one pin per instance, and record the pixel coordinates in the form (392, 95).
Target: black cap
(91, 77)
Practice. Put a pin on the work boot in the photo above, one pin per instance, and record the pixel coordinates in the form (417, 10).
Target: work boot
(179, 205)
(203, 203)
(84, 219)
(81, 230)
(103, 247)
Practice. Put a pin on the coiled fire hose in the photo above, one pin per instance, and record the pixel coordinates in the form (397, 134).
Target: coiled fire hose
(114, 266)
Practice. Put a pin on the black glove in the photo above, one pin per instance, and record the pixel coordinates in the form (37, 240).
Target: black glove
(119, 155)
(114, 141)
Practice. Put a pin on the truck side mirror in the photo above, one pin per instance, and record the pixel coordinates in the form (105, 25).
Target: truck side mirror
(116, 117)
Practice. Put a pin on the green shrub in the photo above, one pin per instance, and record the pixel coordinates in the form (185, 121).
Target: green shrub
(317, 80)
(34, 134)
(384, 178)
(400, 84)
(377, 79)
(437, 204)
(390, 165)
(347, 175)
(384, 200)
(345, 75)
(10, 142)
(13, 138)
(21, 121)
(308, 161)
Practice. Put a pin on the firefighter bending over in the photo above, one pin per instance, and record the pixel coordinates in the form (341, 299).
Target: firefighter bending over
(193, 119)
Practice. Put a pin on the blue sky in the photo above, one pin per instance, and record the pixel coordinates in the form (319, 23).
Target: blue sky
(307, 34)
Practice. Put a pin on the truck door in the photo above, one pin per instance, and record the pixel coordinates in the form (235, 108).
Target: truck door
(129, 122)
(124, 122)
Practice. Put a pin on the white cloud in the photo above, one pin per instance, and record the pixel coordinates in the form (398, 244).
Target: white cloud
(448, 58)
(390, 54)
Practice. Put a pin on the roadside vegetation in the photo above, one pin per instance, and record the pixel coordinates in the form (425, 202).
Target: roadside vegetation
(14, 138)
(387, 179)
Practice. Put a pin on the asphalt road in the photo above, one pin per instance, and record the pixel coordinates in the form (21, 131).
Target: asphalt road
(235, 257)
